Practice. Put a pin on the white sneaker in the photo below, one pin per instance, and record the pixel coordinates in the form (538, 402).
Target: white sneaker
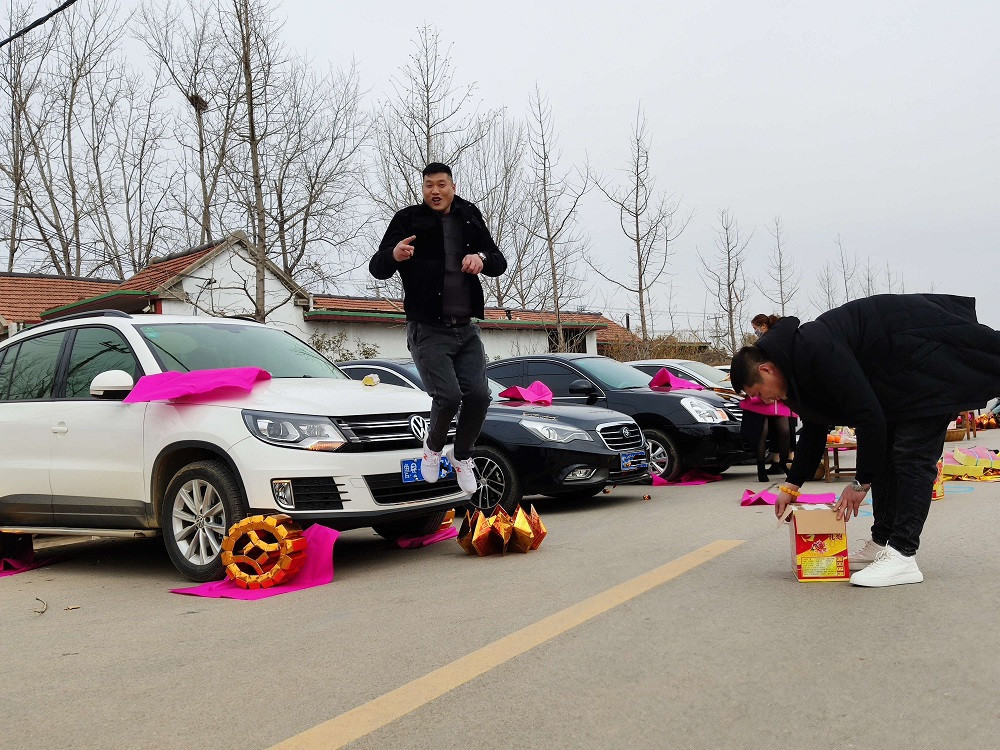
(864, 555)
(890, 568)
(430, 465)
(465, 473)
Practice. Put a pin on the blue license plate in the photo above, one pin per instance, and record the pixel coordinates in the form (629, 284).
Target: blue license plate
(410, 468)
(636, 460)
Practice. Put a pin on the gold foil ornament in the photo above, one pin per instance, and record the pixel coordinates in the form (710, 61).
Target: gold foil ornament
(491, 535)
(263, 551)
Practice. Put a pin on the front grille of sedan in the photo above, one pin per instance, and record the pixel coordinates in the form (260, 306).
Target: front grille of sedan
(735, 412)
(377, 432)
(316, 493)
(388, 489)
(622, 436)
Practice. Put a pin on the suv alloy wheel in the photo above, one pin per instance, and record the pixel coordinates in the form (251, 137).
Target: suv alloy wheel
(200, 505)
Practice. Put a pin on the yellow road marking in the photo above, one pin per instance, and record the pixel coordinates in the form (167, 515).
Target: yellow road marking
(397, 703)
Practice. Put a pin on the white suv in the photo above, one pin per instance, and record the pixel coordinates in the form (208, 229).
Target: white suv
(310, 442)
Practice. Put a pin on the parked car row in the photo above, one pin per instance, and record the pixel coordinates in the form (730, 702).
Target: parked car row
(311, 442)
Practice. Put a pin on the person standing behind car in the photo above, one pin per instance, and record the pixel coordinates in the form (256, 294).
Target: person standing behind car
(439, 247)
(762, 422)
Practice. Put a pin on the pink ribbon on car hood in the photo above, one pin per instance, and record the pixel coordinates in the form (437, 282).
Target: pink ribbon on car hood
(536, 393)
(169, 385)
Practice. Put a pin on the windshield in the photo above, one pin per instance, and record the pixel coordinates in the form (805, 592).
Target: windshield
(612, 373)
(711, 374)
(207, 346)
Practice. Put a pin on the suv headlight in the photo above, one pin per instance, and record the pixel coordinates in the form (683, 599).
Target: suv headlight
(703, 411)
(294, 430)
(554, 431)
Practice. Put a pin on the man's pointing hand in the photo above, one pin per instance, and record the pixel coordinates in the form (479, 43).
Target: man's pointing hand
(404, 250)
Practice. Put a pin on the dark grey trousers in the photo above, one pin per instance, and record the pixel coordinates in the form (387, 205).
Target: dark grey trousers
(452, 364)
(901, 496)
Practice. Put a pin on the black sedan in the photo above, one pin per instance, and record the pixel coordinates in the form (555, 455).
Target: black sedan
(684, 428)
(530, 449)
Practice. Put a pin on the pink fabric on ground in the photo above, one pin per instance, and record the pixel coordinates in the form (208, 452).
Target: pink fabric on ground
(687, 479)
(11, 567)
(759, 406)
(422, 541)
(666, 380)
(769, 498)
(317, 571)
(536, 393)
(169, 385)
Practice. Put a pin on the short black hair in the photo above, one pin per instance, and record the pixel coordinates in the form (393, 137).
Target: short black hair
(436, 167)
(743, 371)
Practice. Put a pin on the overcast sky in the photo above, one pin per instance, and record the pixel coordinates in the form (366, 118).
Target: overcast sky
(876, 121)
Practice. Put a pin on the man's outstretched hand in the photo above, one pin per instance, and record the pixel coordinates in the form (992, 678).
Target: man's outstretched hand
(404, 250)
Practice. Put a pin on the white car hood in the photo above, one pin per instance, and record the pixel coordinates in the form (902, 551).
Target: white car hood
(328, 397)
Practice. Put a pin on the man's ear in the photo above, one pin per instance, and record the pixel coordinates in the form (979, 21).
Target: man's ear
(768, 368)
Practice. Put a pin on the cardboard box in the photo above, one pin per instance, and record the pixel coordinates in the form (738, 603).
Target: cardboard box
(819, 543)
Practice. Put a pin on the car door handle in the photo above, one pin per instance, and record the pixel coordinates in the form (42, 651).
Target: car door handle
(60, 429)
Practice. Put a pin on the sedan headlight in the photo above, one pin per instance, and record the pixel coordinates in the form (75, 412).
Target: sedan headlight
(294, 430)
(555, 432)
(703, 411)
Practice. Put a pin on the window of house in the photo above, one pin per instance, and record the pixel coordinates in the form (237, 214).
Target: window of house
(576, 341)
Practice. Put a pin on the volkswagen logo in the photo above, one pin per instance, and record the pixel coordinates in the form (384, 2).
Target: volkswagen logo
(626, 432)
(418, 426)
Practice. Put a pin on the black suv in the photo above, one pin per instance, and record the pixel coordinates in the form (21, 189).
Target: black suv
(684, 428)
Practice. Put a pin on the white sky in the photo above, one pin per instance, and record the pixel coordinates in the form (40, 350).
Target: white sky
(878, 121)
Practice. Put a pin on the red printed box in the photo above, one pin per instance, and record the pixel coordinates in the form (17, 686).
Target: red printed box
(819, 544)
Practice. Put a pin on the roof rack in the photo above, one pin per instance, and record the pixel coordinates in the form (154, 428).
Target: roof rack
(91, 314)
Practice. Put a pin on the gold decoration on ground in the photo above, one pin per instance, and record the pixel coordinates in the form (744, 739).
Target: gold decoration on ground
(262, 551)
(496, 534)
(449, 519)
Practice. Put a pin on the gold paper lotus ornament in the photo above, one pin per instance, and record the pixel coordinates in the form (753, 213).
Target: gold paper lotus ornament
(491, 535)
(262, 551)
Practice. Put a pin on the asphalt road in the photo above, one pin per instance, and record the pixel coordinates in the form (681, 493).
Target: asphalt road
(724, 650)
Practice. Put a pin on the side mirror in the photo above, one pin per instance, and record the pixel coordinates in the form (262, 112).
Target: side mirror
(582, 387)
(113, 385)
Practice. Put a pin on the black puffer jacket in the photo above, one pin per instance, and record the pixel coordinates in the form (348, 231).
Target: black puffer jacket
(423, 274)
(887, 358)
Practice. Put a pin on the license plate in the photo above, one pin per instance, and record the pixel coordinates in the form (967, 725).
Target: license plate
(636, 460)
(410, 468)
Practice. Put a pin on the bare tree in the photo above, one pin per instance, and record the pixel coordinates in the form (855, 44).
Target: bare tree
(725, 279)
(556, 198)
(826, 295)
(847, 268)
(781, 270)
(187, 41)
(649, 222)
(427, 117)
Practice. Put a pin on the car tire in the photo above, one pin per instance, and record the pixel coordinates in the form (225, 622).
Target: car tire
(15, 546)
(664, 458)
(200, 505)
(410, 528)
(499, 483)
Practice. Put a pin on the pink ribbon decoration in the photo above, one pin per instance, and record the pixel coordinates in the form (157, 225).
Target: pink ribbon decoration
(759, 406)
(165, 386)
(317, 571)
(665, 380)
(536, 393)
(10, 566)
(769, 498)
(689, 478)
(423, 541)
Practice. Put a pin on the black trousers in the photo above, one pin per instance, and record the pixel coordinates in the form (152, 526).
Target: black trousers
(901, 494)
(452, 364)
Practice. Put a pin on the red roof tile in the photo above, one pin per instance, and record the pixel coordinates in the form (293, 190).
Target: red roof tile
(158, 272)
(23, 296)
